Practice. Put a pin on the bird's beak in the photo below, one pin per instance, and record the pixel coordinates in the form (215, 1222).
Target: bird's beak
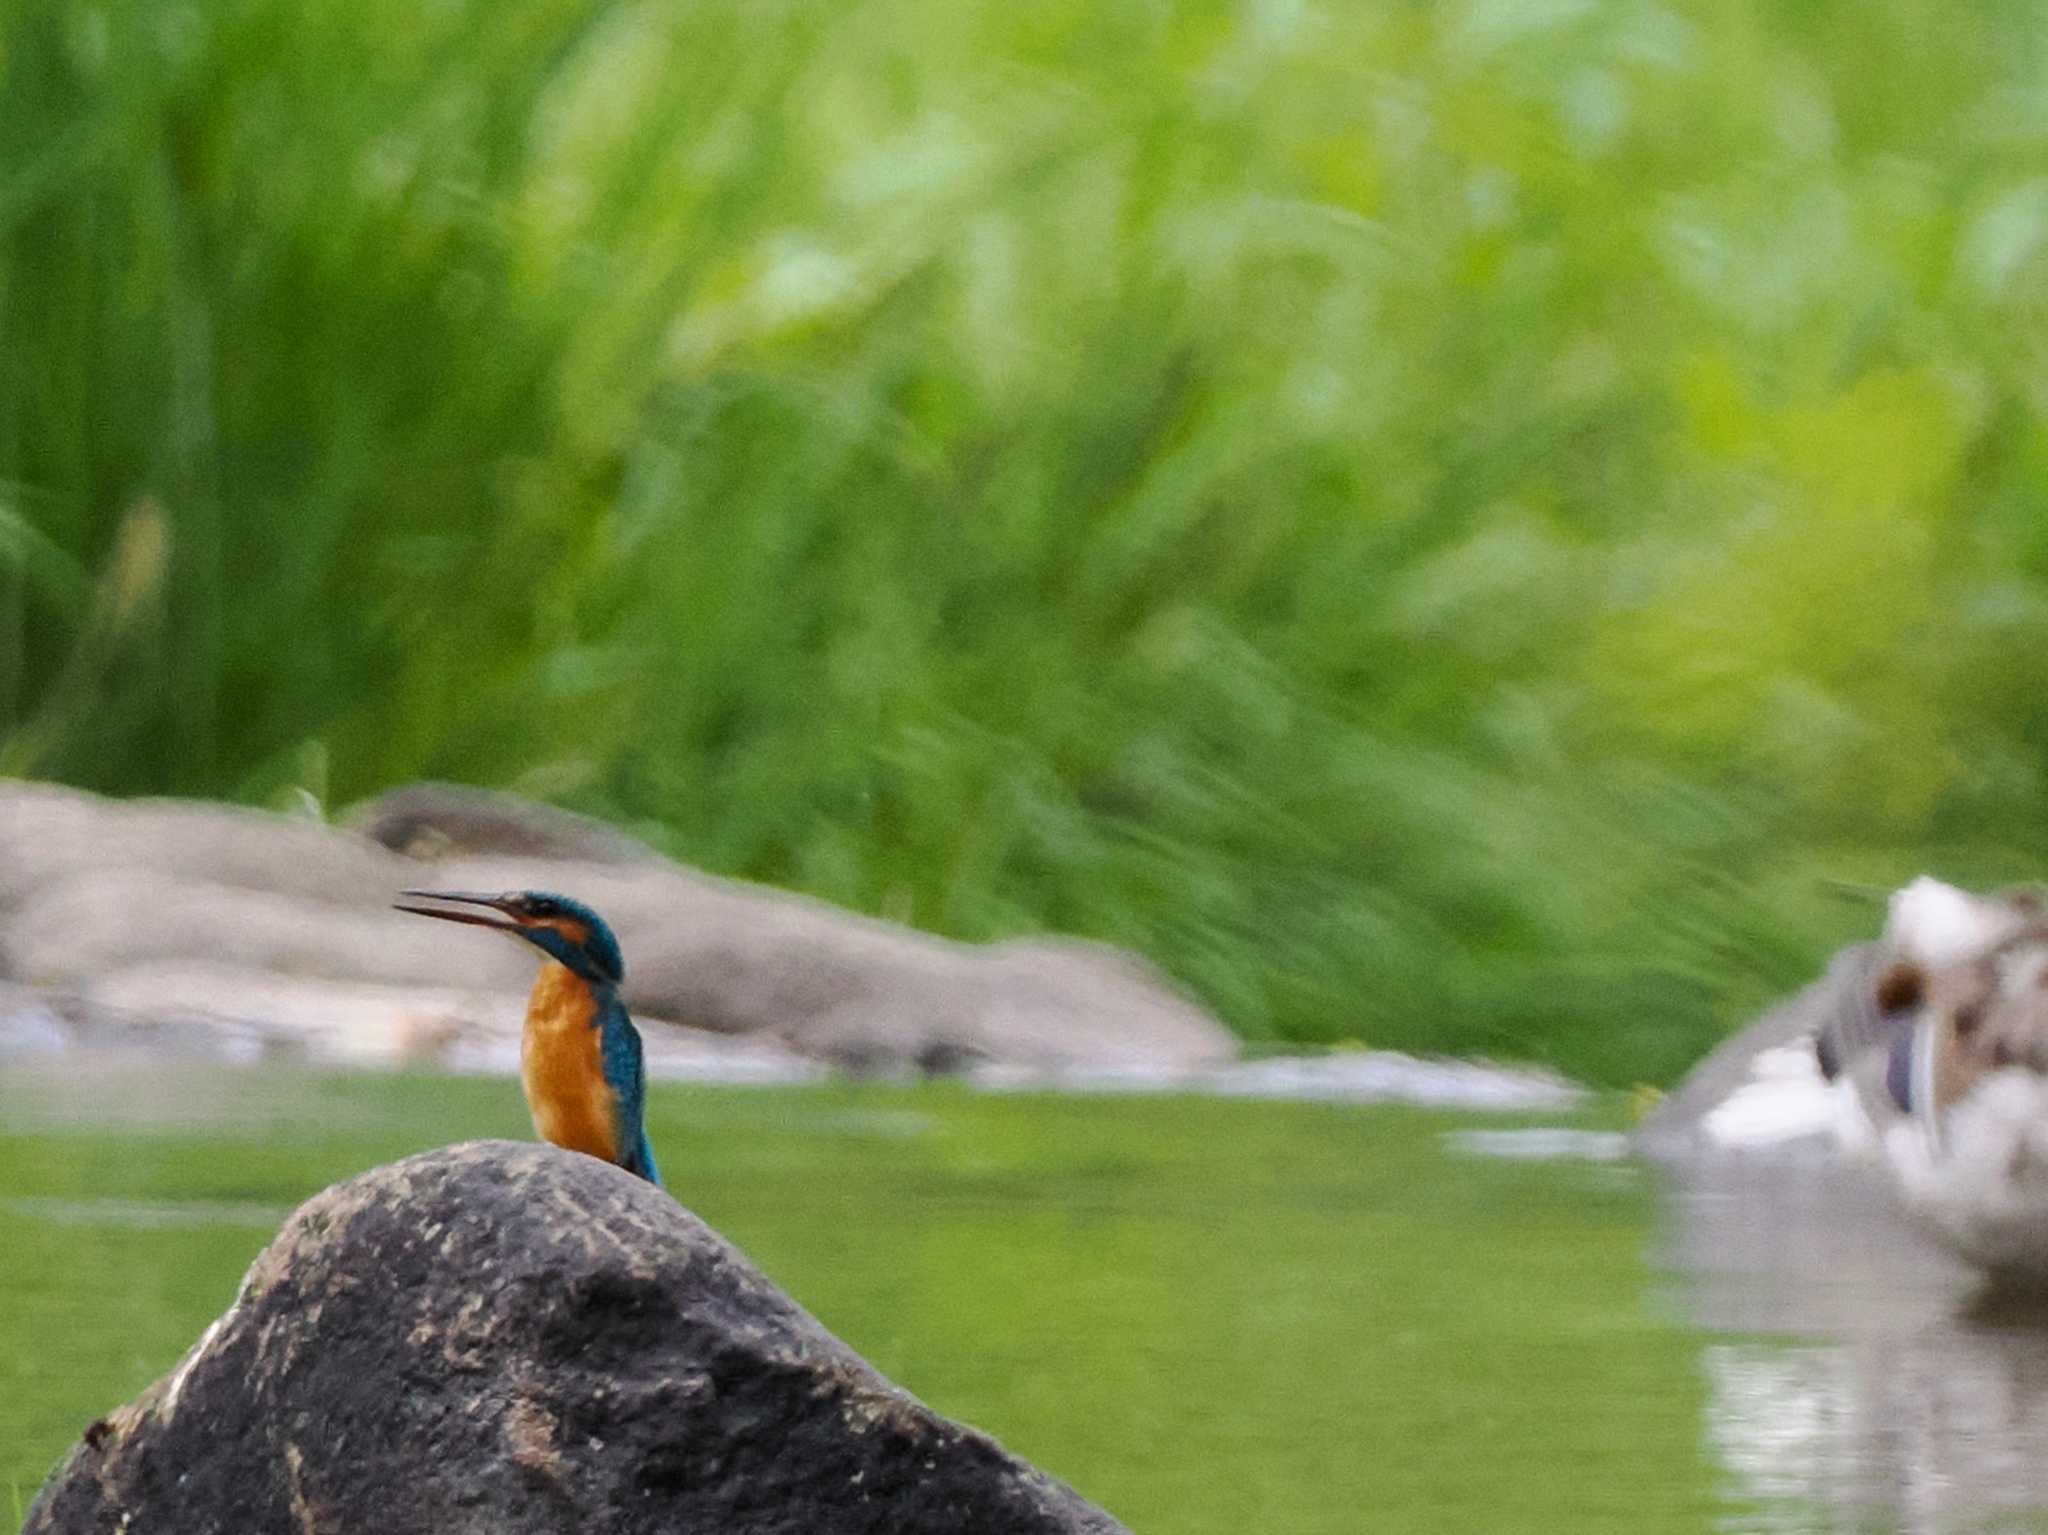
(476, 918)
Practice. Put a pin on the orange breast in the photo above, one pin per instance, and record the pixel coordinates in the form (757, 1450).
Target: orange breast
(561, 1069)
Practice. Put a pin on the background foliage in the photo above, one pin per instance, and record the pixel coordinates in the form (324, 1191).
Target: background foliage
(1487, 526)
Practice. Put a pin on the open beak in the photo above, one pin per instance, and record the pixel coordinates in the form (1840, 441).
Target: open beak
(475, 918)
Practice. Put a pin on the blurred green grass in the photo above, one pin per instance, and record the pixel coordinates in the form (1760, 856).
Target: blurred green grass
(1208, 1316)
(1466, 527)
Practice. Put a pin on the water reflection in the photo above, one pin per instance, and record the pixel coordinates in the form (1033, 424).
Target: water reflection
(1857, 1377)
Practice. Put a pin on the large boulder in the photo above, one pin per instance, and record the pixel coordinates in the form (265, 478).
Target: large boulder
(744, 959)
(101, 900)
(507, 1338)
(50, 835)
(100, 921)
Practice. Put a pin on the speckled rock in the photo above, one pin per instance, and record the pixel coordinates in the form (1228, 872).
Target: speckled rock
(511, 1338)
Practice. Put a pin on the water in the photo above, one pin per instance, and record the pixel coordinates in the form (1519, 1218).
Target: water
(1857, 1377)
(1208, 1315)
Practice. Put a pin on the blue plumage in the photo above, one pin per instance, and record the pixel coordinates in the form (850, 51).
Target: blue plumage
(626, 1075)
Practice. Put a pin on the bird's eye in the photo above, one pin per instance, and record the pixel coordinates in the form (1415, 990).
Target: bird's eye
(543, 908)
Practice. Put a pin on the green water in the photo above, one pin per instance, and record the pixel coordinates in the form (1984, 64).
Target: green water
(1208, 1316)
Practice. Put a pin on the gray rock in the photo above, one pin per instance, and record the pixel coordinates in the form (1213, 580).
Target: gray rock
(92, 888)
(365, 1024)
(436, 822)
(99, 921)
(29, 1026)
(49, 835)
(866, 994)
(508, 1338)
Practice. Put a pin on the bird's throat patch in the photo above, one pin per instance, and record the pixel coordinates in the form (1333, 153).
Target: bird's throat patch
(561, 1066)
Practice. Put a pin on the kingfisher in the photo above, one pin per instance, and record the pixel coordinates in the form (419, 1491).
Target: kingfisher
(579, 1055)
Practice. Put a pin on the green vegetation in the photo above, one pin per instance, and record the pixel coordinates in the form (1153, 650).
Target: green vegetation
(1208, 1316)
(1462, 526)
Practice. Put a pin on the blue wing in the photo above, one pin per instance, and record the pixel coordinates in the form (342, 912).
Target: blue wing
(625, 1074)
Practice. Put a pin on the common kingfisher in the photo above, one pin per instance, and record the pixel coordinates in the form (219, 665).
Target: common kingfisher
(579, 1056)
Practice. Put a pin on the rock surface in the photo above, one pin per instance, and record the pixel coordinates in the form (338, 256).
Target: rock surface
(871, 995)
(507, 1338)
(261, 921)
(205, 930)
(435, 822)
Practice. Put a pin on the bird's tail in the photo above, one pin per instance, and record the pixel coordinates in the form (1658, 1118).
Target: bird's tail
(641, 1162)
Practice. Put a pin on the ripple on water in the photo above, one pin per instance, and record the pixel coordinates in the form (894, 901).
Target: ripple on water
(146, 1214)
(1541, 1144)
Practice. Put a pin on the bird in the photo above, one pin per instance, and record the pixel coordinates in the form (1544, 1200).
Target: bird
(1922, 1056)
(1794, 1078)
(1953, 1085)
(1929, 926)
(580, 1057)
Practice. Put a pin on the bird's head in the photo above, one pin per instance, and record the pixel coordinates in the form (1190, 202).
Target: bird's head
(563, 929)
